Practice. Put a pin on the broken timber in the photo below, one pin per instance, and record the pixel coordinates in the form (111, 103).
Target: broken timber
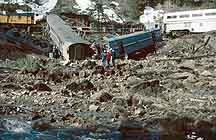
(186, 58)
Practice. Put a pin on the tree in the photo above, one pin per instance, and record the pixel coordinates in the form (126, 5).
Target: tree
(212, 3)
(134, 8)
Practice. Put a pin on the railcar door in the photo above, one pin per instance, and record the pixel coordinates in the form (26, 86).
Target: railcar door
(72, 52)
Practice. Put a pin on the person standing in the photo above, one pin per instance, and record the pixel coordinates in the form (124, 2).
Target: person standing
(108, 57)
(103, 58)
(56, 53)
(98, 50)
(93, 47)
(113, 56)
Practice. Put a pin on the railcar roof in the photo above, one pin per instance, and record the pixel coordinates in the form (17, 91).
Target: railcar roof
(131, 35)
(64, 31)
(191, 11)
(126, 36)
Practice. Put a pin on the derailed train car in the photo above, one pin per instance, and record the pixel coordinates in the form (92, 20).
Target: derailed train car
(136, 45)
(67, 41)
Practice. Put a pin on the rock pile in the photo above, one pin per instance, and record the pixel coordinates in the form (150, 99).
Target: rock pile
(177, 82)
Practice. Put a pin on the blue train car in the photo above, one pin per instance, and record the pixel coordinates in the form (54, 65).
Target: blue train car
(135, 45)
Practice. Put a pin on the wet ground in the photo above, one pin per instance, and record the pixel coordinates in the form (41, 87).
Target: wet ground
(180, 129)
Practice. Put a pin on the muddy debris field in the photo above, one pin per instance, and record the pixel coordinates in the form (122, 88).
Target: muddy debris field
(178, 81)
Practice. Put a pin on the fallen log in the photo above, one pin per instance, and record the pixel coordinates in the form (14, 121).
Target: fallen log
(202, 46)
(185, 58)
(15, 106)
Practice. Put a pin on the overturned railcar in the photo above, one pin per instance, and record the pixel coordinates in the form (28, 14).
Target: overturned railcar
(67, 41)
(136, 45)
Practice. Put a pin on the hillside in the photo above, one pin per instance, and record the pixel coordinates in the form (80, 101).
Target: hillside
(133, 9)
(120, 9)
(111, 9)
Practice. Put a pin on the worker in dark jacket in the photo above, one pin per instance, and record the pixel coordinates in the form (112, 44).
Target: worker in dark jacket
(113, 56)
(103, 57)
(98, 50)
(56, 53)
(121, 46)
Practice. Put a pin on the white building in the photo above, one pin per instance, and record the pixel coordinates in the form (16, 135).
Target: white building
(151, 18)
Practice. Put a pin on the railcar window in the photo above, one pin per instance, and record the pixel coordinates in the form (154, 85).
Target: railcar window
(210, 14)
(171, 17)
(197, 15)
(184, 16)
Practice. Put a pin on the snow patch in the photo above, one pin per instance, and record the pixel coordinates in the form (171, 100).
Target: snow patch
(83, 4)
(113, 16)
(45, 8)
(115, 3)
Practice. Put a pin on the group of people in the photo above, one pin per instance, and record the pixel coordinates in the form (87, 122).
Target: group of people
(108, 55)
(104, 53)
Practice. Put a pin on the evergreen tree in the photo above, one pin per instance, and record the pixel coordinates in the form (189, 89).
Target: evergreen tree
(136, 8)
(212, 3)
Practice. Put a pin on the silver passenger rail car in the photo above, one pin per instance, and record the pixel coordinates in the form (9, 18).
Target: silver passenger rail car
(67, 41)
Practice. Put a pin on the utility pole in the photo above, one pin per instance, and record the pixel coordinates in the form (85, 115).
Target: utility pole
(99, 8)
(169, 4)
(113, 30)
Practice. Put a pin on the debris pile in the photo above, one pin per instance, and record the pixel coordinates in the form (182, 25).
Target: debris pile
(190, 46)
(15, 44)
(176, 82)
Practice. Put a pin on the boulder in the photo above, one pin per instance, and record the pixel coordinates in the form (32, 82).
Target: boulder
(119, 101)
(86, 85)
(188, 64)
(133, 80)
(99, 70)
(139, 111)
(206, 73)
(83, 85)
(102, 96)
(93, 108)
(119, 111)
(72, 86)
(88, 63)
(130, 124)
(82, 74)
(191, 79)
(109, 71)
(66, 93)
(41, 125)
(11, 86)
(180, 76)
(41, 87)
(146, 86)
